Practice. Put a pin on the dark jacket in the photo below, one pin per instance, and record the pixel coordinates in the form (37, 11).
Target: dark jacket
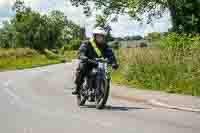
(87, 50)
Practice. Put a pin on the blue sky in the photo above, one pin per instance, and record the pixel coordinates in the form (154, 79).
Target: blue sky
(125, 25)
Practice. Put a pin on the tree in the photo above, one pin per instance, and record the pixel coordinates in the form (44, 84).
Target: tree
(7, 36)
(185, 14)
(31, 29)
(72, 31)
(19, 6)
(137, 37)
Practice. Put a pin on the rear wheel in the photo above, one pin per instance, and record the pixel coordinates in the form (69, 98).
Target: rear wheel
(101, 100)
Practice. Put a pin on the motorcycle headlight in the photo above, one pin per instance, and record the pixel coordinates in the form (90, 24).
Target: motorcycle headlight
(101, 65)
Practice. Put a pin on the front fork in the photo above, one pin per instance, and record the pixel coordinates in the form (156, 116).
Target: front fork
(102, 79)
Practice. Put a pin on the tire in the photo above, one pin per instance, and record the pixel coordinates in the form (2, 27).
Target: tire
(106, 88)
(80, 100)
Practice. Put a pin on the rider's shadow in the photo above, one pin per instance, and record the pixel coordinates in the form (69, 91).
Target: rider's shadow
(118, 108)
(124, 108)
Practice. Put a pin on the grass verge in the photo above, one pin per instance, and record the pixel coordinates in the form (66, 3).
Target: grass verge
(172, 71)
(12, 59)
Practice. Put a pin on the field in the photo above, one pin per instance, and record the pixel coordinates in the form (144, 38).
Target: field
(173, 71)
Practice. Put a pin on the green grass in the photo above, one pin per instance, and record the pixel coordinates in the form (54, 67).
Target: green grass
(173, 71)
(70, 55)
(25, 62)
(12, 59)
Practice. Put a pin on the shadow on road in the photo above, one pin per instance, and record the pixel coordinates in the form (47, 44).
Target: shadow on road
(122, 108)
(117, 108)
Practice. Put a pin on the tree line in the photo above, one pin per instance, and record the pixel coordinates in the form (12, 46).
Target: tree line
(30, 29)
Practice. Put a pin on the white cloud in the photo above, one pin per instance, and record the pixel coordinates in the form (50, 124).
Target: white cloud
(32, 2)
(6, 3)
(127, 26)
(9, 3)
(76, 14)
(2, 19)
(5, 8)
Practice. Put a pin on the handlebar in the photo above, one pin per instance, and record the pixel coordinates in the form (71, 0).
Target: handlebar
(94, 61)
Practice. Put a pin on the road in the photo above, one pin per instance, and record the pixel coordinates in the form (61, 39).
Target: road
(39, 100)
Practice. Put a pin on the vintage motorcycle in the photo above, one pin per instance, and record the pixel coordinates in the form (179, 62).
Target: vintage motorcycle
(96, 85)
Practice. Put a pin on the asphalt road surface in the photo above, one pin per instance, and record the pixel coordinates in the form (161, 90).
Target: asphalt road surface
(39, 101)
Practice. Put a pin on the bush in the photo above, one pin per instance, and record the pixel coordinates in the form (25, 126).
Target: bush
(73, 45)
(143, 45)
(183, 41)
(51, 55)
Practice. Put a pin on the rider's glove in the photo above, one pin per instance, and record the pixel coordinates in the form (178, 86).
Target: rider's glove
(115, 66)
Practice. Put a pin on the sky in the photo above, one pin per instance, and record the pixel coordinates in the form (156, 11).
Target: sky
(125, 25)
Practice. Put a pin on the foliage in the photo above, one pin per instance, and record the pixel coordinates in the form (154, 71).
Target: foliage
(180, 41)
(73, 45)
(131, 38)
(7, 36)
(101, 21)
(33, 30)
(185, 16)
(184, 13)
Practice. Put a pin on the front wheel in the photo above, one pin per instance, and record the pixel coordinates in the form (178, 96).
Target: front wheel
(104, 88)
(80, 100)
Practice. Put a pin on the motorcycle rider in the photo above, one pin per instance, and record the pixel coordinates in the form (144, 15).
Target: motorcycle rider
(95, 48)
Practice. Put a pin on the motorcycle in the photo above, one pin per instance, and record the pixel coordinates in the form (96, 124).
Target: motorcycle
(96, 85)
